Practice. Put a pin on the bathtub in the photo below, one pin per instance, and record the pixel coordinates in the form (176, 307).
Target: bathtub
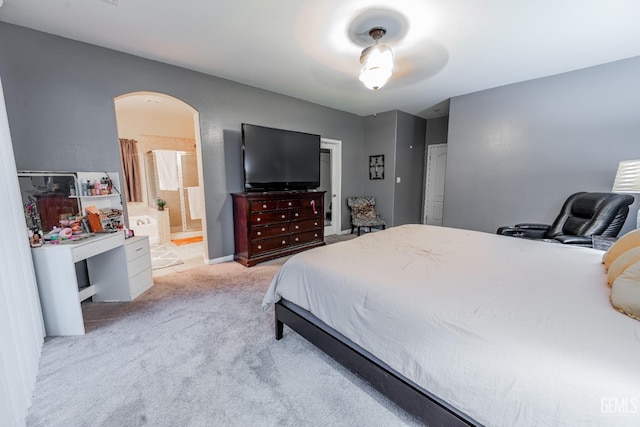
(144, 226)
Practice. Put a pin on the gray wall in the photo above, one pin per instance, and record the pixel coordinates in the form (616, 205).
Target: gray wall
(437, 130)
(379, 138)
(59, 95)
(401, 138)
(516, 152)
(410, 147)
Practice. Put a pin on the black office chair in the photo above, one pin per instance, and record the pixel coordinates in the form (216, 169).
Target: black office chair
(583, 215)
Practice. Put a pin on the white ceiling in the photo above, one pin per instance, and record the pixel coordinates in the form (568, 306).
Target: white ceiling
(309, 49)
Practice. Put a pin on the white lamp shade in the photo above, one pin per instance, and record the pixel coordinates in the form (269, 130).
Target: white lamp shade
(628, 177)
(377, 66)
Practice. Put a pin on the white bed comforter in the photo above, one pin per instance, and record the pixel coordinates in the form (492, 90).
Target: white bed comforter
(511, 332)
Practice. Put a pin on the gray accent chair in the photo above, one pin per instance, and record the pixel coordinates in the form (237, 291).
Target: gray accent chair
(363, 213)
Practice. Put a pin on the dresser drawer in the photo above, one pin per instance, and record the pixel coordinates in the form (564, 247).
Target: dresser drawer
(136, 247)
(269, 231)
(287, 204)
(269, 217)
(314, 203)
(306, 237)
(263, 205)
(273, 243)
(309, 224)
(305, 213)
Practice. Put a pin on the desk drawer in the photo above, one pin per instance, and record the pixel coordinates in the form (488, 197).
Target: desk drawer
(138, 265)
(140, 283)
(136, 248)
(94, 246)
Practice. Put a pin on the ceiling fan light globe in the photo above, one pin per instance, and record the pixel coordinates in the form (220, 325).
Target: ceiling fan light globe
(377, 66)
(377, 55)
(374, 78)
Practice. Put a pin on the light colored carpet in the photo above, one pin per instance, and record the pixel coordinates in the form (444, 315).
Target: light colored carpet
(162, 256)
(198, 350)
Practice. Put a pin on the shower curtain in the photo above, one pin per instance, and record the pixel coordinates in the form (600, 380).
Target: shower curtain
(131, 169)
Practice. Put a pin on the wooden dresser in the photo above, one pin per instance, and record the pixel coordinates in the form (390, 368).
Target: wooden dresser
(274, 224)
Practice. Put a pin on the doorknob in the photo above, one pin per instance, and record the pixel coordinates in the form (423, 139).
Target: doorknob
(333, 195)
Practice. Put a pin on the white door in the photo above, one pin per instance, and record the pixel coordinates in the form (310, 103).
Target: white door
(434, 187)
(331, 182)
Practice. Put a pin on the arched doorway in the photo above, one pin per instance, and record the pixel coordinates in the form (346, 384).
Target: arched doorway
(160, 134)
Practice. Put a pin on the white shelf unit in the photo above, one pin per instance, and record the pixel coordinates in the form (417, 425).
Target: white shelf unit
(103, 201)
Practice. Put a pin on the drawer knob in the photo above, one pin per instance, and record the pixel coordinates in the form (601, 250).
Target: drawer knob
(289, 203)
(259, 246)
(297, 227)
(315, 235)
(296, 214)
(259, 233)
(315, 223)
(297, 240)
(284, 242)
(264, 206)
(282, 216)
(283, 229)
(258, 219)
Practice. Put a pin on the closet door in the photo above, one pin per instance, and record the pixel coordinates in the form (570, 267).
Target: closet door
(434, 188)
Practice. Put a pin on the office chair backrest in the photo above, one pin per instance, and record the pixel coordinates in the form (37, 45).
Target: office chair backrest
(587, 214)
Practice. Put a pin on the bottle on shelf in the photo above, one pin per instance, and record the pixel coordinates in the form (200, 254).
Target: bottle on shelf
(84, 189)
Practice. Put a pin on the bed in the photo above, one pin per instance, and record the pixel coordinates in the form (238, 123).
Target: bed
(468, 328)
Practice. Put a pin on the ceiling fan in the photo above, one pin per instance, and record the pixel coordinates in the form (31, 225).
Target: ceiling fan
(391, 53)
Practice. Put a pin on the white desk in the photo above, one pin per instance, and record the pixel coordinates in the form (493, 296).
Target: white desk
(58, 284)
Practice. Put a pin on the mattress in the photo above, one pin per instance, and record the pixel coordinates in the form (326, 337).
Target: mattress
(508, 331)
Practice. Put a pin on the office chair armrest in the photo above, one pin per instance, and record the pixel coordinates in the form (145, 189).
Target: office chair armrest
(575, 240)
(532, 226)
(528, 233)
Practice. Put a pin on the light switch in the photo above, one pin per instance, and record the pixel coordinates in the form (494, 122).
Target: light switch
(397, 180)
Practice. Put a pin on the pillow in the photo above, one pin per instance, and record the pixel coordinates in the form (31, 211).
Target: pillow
(363, 210)
(621, 263)
(625, 293)
(626, 242)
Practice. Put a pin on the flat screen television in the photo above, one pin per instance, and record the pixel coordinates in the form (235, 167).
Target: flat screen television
(278, 159)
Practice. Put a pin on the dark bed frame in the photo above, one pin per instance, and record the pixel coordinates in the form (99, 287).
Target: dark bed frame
(410, 397)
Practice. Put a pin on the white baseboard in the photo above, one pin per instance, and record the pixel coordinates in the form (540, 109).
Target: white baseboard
(220, 260)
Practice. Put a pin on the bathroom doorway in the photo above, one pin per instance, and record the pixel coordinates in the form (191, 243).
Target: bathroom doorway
(160, 142)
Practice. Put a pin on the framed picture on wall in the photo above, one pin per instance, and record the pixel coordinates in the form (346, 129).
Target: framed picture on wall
(376, 167)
